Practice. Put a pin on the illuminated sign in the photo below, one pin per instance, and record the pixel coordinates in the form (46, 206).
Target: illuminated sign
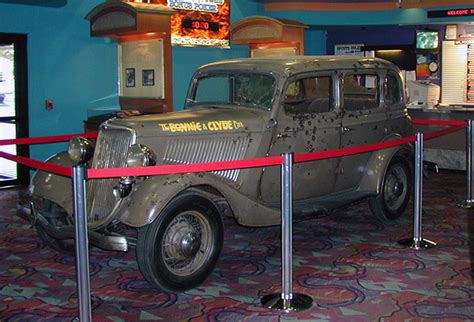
(196, 5)
(451, 13)
(199, 22)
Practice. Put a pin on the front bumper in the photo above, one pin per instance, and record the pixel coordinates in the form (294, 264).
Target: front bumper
(107, 242)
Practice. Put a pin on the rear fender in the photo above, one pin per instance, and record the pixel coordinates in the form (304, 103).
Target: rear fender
(378, 163)
(52, 186)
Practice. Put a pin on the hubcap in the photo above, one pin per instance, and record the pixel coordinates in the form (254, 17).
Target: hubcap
(395, 188)
(187, 243)
(190, 244)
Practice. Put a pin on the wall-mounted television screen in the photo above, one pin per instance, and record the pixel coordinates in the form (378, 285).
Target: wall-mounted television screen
(198, 22)
(427, 40)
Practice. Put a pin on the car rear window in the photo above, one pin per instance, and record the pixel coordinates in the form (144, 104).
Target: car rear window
(360, 91)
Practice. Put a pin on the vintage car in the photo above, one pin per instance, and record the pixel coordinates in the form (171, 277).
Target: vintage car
(236, 109)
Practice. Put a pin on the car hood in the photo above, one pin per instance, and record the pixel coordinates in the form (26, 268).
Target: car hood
(206, 120)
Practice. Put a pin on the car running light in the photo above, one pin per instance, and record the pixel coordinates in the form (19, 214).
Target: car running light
(140, 155)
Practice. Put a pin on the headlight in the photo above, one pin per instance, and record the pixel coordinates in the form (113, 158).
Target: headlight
(80, 150)
(140, 155)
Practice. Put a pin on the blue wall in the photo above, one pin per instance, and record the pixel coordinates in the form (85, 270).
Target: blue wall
(65, 65)
(366, 18)
(314, 42)
(79, 72)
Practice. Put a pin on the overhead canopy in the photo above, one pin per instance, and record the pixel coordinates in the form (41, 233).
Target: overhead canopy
(262, 29)
(116, 18)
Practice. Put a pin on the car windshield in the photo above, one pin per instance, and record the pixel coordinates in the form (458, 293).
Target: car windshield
(252, 90)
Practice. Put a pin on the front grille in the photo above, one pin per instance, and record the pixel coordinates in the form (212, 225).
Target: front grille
(195, 150)
(110, 152)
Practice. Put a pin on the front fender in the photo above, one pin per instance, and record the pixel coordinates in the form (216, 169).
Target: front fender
(149, 198)
(52, 186)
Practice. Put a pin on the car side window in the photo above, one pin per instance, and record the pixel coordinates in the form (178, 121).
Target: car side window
(309, 95)
(392, 91)
(360, 91)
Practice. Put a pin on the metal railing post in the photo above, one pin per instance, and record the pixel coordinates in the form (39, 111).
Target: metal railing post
(469, 202)
(287, 301)
(418, 242)
(82, 243)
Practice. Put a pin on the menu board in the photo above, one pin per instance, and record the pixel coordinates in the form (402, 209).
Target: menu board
(199, 22)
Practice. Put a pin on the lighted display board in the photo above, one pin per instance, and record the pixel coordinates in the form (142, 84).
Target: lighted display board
(451, 13)
(199, 22)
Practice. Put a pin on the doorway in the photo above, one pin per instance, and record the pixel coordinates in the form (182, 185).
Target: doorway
(13, 105)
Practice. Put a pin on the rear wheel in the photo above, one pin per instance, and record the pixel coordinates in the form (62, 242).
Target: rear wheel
(395, 193)
(57, 217)
(181, 247)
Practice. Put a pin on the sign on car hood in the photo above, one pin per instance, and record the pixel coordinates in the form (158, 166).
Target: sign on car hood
(197, 121)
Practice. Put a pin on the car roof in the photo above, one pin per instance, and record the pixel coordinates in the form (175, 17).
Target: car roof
(295, 64)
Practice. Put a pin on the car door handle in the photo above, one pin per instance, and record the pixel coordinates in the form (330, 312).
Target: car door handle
(289, 132)
(345, 129)
(282, 135)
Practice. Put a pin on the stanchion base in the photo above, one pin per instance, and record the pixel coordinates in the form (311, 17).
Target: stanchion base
(299, 302)
(467, 204)
(423, 243)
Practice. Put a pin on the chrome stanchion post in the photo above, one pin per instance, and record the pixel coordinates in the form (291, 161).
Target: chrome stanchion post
(287, 301)
(418, 242)
(80, 151)
(469, 202)
(82, 243)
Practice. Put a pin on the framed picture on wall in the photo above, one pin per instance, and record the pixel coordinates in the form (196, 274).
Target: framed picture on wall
(148, 77)
(130, 77)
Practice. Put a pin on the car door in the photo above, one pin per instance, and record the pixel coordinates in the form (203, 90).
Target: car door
(307, 122)
(363, 122)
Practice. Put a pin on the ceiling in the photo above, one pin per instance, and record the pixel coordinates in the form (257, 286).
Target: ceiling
(43, 3)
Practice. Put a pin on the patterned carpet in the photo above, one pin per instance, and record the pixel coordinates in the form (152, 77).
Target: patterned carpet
(351, 266)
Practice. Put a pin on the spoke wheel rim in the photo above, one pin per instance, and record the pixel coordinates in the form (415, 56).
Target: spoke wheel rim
(187, 243)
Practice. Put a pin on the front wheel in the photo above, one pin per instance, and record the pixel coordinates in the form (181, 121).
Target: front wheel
(395, 193)
(181, 247)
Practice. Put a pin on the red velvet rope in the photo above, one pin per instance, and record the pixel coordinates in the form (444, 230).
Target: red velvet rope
(431, 135)
(312, 156)
(215, 166)
(439, 122)
(48, 167)
(184, 168)
(47, 139)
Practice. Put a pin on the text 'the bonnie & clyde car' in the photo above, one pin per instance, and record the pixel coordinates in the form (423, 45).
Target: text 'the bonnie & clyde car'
(236, 109)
